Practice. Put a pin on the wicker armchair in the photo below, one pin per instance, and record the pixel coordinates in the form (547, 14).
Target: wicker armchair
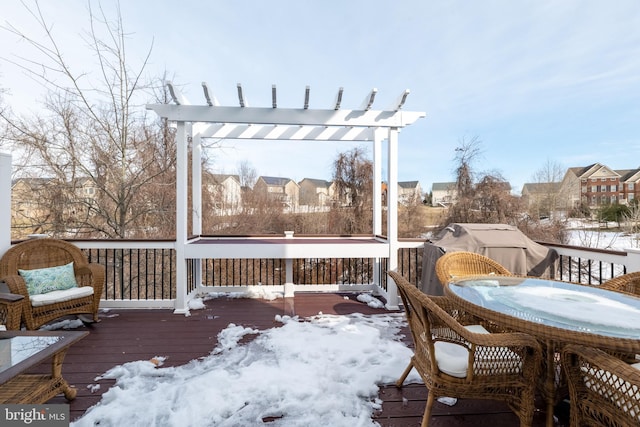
(457, 357)
(462, 263)
(44, 253)
(10, 310)
(603, 390)
(629, 283)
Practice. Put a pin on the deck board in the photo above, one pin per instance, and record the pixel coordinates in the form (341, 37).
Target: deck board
(129, 335)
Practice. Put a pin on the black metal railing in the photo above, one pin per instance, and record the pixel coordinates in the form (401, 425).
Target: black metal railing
(589, 271)
(587, 265)
(137, 274)
(144, 273)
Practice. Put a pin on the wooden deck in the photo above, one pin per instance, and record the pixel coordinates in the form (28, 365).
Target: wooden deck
(130, 335)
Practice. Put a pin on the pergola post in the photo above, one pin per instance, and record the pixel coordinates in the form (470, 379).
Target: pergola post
(378, 136)
(5, 193)
(182, 180)
(196, 195)
(392, 215)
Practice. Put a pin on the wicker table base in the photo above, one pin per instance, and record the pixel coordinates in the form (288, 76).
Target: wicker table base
(17, 387)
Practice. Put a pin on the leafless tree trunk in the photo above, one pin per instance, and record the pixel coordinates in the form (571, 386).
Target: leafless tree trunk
(353, 178)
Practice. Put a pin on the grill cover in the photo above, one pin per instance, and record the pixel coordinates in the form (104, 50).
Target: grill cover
(500, 242)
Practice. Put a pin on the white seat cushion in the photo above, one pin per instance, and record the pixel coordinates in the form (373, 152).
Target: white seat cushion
(453, 359)
(60, 296)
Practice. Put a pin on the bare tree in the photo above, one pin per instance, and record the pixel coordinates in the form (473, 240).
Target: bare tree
(109, 161)
(544, 200)
(247, 174)
(486, 198)
(463, 209)
(353, 179)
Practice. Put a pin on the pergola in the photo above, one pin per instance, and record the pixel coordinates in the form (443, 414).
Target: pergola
(242, 122)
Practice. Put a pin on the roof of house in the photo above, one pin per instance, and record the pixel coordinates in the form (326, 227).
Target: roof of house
(443, 186)
(274, 180)
(581, 170)
(408, 184)
(625, 174)
(318, 182)
(540, 187)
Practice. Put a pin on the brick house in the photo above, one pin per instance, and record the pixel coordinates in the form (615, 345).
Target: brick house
(597, 185)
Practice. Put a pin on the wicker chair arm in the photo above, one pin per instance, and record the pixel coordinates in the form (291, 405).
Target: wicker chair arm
(16, 285)
(10, 310)
(98, 273)
(511, 340)
(7, 298)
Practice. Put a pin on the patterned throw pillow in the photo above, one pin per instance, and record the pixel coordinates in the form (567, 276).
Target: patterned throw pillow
(43, 280)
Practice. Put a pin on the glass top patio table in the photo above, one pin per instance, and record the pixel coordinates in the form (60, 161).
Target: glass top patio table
(20, 350)
(555, 310)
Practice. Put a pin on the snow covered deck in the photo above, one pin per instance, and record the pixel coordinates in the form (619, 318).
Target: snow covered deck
(140, 335)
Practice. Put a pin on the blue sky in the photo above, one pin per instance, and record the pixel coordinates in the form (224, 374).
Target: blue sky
(536, 81)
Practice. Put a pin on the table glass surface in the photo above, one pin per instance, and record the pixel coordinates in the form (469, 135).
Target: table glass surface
(559, 304)
(14, 350)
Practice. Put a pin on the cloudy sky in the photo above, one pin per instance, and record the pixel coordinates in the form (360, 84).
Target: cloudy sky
(535, 81)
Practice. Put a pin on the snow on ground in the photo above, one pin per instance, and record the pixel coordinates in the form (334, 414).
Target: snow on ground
(324, 371)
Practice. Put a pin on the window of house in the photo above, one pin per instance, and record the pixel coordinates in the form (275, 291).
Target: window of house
(603, 179)
(614, 188)
(614, 199)
(630, 197)
(594, 189)
(594, 200)
(584, 188)
(630, 186)
(603, 199)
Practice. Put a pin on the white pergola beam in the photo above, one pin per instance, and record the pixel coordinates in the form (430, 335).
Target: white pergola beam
(286, 116)
(338, 99)
(241, 99)
(306, 97)
(368, 101)
(286, 133)
(274, 97)
(211, 99)
(400, 101)
(176, 96)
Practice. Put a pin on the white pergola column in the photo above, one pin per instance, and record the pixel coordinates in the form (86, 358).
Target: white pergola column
(392, 215)
(196, 195)
(5, 193)
(378, 136)
(182, 180)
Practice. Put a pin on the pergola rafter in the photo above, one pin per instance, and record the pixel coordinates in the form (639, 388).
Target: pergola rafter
(283, 124)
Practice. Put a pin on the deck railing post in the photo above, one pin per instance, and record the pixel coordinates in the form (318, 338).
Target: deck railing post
(633, 263)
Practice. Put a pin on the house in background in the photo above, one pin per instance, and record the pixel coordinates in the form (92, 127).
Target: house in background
(541, 197)
(283, 190)
(315, 192)
(409, 193)
(629, 185)
(225, 192)
(443, 193)
(597, 185)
